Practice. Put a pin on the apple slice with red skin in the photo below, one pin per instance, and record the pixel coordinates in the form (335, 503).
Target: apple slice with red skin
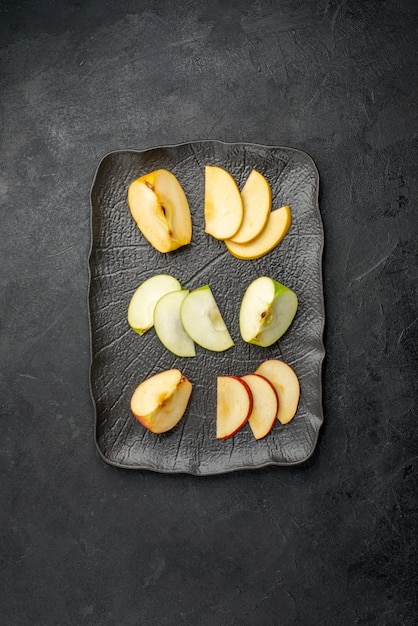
(234, 405)
(265, 404)
(285, 381)
(160, 401)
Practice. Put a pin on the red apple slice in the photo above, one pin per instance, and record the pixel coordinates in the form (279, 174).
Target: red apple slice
(234, 404)
(265, 404)
(160, 401)
(286, 383)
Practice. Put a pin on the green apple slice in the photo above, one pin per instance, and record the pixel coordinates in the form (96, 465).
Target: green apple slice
(202, 320)
(168, 324)
(142, 304)
(267, 310)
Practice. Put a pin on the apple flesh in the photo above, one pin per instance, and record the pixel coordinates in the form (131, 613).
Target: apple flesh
(160, 401)
(234, 405)
(160, 209)
(278, 224)
(223, 203)
(203, 322)
(286, 383)
(265, 405)
(168, 325)
(142, 304)
(256, 201)
(267, 310)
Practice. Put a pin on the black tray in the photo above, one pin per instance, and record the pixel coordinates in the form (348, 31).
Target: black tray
(121, 259)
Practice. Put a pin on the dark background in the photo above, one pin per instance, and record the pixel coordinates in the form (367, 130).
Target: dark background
(331, 542)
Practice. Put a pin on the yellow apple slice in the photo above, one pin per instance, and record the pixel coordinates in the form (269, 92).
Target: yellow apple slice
(223, 203)
(160, 401)
(234, 404)
(160, 209)
(265, 404)
(286, 383)
(272, 234)
(256, 201)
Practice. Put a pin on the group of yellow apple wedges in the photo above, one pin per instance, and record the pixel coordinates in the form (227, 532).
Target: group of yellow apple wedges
(181, 318)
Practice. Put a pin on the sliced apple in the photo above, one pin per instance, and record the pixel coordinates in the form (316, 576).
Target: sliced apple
(160, 209)
(202, 320)
(142, 304)
(267, 310)
(223, 203)
(256, 202)
(286, 383)
(169, 327)
(265, 404)
(278, 224)
(234, 405)
(160, 401)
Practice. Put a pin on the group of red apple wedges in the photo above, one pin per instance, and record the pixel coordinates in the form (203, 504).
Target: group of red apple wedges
(245, 222)
(270, 393)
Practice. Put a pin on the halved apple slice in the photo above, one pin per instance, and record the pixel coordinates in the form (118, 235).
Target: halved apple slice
(265, 404)
(223, 203)
(256, 201)
(160, 209)
(202, 320)
(272, 234)
(160, 401)
(234, 404)
(169, 327)
(286, 383)
(142, 304)
(267, 310)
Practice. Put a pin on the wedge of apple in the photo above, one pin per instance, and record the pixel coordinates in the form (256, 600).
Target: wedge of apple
(142, 304)
(160, 401)
(169, 327)
(286, 383)
(234, 405)
(278, 224)
(265, 404)
(267, 310)
(203, 322)
(223, 203)
(160, 209)
(256, 202)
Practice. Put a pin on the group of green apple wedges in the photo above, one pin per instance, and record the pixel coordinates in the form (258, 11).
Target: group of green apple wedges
(249, 227)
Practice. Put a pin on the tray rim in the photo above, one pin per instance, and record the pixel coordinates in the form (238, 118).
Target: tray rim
(269, 462)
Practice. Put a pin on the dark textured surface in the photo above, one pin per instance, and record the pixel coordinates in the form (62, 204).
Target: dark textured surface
(329, 542)
(122, 258)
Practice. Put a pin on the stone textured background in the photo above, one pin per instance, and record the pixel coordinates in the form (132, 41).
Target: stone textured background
(331, 542)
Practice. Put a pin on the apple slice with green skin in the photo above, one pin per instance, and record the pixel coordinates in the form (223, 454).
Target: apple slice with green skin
(202, 320)
(223, 203)
(265, 404)
(160, 401)
(267, 310)
(233, 407)
(169, 327)
(142, 304)
(278, 224)
(160, 209)
(256, 201)
(285, 381)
